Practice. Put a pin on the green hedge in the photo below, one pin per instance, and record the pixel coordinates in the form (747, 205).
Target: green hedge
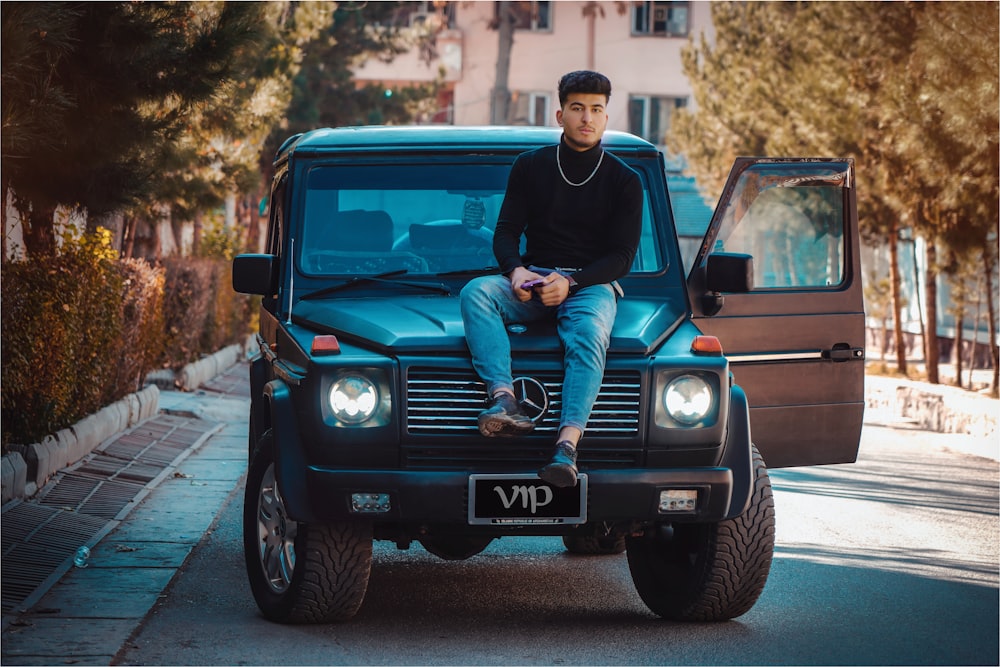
(202, 312)
(81, 330)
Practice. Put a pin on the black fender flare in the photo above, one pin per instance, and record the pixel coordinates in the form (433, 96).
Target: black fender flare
(260, 417)
(289, 455)
(738, 455)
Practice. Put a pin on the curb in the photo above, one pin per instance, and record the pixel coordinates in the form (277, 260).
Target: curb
(934, 407)
(27, 468)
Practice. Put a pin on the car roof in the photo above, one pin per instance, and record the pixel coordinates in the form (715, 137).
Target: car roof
(443, 137)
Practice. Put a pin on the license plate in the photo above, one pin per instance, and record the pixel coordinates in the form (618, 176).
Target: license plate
(524, 499)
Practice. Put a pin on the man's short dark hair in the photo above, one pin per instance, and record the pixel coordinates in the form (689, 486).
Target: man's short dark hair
(583, 81)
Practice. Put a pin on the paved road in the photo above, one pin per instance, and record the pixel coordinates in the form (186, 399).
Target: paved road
(892, 560)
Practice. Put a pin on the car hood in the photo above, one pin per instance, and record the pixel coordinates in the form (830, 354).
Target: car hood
(433, 323)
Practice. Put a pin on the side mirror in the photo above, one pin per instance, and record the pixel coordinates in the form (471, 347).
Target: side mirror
(729, 272)
(255, 274)
(725, 272)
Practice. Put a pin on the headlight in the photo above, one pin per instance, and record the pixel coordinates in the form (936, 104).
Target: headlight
(688, 399)
(353, 399)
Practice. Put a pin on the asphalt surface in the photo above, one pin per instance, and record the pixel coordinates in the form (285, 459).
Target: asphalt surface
(194, 460)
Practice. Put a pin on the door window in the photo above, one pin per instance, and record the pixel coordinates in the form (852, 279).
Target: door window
(793, 226)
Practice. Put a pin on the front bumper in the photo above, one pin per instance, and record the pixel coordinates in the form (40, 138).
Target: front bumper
(442, 497)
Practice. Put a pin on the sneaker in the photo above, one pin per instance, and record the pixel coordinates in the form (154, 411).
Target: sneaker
(561, 471)
(504, 417)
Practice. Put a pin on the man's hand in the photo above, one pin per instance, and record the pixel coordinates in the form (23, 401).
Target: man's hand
(520, 276)
(552, 289)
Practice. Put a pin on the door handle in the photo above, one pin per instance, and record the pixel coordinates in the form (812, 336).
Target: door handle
(844, 352)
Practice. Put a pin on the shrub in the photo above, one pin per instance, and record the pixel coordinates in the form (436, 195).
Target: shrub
(81, 330)
(202, 313)
(64, 353)
(142, 333)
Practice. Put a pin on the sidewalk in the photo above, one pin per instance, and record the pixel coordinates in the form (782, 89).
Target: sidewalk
(141, 502)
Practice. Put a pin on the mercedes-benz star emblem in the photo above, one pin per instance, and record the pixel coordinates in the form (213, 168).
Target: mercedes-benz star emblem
(532, 396)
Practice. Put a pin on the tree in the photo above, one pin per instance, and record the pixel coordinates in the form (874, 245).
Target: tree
(503, 23)
(324, 90)
(217, 154)
(864, 79)
(117, 82)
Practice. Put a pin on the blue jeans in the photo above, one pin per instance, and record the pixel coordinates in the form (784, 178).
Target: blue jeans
(584, 321)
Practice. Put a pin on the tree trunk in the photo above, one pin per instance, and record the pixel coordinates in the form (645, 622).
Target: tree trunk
(39, 231)
(897, 308)
(500, 102)
(975, 328)
(196, 237)
(932, 355)
(988, 263)
(959, 324)
(128, 235)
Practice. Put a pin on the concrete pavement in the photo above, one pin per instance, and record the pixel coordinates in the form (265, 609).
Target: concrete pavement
(85, 615)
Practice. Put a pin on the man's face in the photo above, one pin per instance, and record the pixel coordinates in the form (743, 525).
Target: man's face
(583, 118)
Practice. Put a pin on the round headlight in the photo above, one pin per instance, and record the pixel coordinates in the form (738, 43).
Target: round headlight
(687, 399)
(353, 399)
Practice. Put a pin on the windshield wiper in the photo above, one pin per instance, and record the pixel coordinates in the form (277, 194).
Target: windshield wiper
(386, 277)
(486, 270)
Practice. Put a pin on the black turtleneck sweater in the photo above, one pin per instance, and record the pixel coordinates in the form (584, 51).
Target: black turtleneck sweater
(594, 227)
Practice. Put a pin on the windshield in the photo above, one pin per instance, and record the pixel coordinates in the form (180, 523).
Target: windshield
(421, 218)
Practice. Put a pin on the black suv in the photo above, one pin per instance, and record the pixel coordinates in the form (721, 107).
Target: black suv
(364, 401)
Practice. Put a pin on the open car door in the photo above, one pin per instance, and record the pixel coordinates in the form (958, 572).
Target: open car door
(778, 280)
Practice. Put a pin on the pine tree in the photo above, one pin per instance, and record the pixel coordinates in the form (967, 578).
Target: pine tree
(119, 80)
(909, 89)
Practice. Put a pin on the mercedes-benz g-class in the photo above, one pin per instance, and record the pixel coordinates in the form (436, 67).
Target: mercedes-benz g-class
(363, 422)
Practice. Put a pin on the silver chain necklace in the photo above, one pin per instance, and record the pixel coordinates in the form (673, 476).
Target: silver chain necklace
(586, 180)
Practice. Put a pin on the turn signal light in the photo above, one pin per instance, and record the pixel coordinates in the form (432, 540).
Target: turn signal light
(707, 345)
(326, 344)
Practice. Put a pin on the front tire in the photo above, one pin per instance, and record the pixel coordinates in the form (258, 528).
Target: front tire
(300, 572)
(709, 572)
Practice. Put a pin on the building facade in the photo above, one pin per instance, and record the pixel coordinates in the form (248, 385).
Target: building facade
(636, 44)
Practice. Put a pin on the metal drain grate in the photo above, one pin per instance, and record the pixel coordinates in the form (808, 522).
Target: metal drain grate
(109, 467)
(40, 536)
(37, 541)
(96, 497)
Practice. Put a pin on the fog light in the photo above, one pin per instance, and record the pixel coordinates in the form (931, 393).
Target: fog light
(678, 500)
(370, 502)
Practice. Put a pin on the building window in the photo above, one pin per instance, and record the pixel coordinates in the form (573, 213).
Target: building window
(531, 108)
(533, 15)
(649, 116)
(663, 18)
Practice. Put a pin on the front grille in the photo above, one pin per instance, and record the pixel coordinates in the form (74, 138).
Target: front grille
(449, 402)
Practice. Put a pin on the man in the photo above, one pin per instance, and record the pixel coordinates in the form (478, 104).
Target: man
(580, 211)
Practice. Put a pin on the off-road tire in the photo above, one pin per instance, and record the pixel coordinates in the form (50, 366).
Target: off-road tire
(318, 571)
(709, 572)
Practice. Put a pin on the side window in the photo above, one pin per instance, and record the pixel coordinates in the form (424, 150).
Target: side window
(647, 256)
(792, 226)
